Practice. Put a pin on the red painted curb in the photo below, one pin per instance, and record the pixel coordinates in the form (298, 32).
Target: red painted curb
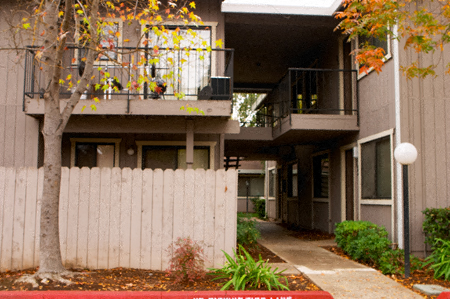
(169, 295)
(444, 295)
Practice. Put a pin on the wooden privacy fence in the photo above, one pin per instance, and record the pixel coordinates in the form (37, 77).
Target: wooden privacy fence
(112, 217)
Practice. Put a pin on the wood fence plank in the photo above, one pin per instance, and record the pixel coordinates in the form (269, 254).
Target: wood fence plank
(114, 220)
(63, 208)
(219, 224)
(230, 211)
(72, 217)
(158, 182)
(210, 196)
(189, 193)
(94, 214)
(30, 218)
(178, 208)
(125, 218)
(83, 217)
(167, 225)
(147, 205)
(38, 212)
(8, 220)
(19, 218)
(136, 214)
(103, 225)
(2, 209)
(199, 205)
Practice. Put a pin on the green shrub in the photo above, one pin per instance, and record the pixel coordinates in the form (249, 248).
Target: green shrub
(247, 233)
(440, 259)
(187, 262)
(436, 225)
(260, 207)
(393, 262)
(346, 232)
(362, 240)
(244, 273)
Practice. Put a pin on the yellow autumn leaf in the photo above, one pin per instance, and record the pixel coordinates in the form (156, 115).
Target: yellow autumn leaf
(219, 43)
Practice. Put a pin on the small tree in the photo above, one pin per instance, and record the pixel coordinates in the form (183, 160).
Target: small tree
(423, 25)
(48, 26)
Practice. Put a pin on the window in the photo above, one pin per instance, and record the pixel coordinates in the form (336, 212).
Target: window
(109, 38)
(376, 42)
(173, 157)
(172, 154)
(184, 71)
(321, 173)
(272, 178)
(86, 152)
(255, 185)
(376, 169)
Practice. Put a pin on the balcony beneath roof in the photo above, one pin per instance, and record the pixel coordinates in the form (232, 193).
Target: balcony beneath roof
(311, 99)
(195, 78)
(308, 106)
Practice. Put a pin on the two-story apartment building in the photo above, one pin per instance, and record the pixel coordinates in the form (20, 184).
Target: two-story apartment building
(331, 130)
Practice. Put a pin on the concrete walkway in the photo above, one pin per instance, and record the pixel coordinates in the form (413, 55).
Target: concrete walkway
(340, 277)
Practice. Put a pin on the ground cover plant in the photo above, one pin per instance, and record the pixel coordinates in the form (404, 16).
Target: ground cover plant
(244, 273)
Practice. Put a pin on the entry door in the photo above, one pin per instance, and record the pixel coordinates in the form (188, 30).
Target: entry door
(349, 186)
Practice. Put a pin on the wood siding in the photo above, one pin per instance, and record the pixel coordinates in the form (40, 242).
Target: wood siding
(112, 217)
(425, 122)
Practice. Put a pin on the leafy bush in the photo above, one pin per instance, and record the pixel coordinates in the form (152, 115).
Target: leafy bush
(362, 240)
(347, 231)
(247, 274)
(260, 207)
(436, 225)
(247, 233)
(393, 262)
(187, 262)
(440, 259)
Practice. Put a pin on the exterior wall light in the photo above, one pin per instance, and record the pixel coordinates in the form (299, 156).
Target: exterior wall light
(130, 151)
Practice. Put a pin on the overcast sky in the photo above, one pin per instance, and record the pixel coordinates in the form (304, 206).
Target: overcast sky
(308, 3)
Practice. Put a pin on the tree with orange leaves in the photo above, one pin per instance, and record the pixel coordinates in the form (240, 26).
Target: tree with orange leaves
(423, 26)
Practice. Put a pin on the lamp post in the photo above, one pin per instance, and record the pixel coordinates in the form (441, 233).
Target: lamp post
(406, 153)
(247, 183)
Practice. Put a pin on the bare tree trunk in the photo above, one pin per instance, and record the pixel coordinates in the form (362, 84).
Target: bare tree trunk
(50, 253)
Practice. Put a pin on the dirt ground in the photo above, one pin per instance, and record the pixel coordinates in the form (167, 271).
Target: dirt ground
(121, 279)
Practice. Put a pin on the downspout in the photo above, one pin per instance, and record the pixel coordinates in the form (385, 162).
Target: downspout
(398, 167)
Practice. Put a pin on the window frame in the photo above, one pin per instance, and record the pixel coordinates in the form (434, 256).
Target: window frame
(115, 141)
(375, 201)
(141, 143)
(387, 56)
(313, 156)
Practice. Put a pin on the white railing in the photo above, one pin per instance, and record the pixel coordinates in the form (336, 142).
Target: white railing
(112, 217)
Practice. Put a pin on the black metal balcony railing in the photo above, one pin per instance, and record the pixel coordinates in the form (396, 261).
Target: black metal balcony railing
(312, 91)
(186, 73)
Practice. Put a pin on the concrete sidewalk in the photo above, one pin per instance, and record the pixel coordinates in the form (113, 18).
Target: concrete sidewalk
(340, 277)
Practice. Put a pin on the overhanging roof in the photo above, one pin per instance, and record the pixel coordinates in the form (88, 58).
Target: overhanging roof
(288, 7)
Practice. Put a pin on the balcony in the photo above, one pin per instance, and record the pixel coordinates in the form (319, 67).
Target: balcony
(125, 82)
(307, 106)
(311, 99)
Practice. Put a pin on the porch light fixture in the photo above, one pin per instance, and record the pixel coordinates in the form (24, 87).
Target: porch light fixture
(130, 151)
(406, 154)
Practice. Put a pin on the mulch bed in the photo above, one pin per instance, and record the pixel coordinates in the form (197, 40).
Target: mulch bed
(416, 277)
(124, 279)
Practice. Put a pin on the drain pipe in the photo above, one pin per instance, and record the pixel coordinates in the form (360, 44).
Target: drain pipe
(398, 167)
